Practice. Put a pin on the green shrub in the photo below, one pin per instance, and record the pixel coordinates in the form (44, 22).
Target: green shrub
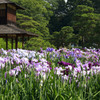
(37, 43)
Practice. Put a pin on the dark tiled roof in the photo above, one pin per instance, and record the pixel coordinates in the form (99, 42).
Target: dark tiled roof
(10, 2)
(5, 1)
(12, 29)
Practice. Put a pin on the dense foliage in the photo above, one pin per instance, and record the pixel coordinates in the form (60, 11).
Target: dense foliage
(47, 18)
(64, 74)
(37, 44)
(64, 37)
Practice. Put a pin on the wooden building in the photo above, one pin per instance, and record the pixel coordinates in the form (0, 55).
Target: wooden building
(8, 28)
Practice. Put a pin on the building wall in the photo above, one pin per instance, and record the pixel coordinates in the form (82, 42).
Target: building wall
(7, 14)
(3, 19)
(11, 13)
(11, 17)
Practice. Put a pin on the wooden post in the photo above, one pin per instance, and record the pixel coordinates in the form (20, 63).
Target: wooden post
(22, 41)
(6, 42)
(12, 42)
(16, 42)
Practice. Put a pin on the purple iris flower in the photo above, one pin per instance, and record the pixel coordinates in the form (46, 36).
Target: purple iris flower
(90, 65)
(65, 56)
(96, 64)
(30, 61)
(73, 66)
(79, 56)
(49, 49)
(64, 63)
(72, 53)
(66, 71)
(75, 59)
(97, 50)
(6, 81)
(5, 74)
(49, 63)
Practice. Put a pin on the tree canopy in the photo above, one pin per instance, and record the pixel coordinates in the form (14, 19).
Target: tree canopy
(61, 23)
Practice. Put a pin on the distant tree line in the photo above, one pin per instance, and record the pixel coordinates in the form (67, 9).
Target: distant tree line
(60, 24)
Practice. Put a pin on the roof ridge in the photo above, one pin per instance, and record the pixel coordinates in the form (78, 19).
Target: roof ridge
(10, 2)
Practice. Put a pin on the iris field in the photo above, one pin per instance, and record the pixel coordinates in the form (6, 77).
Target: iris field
(64, 74)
